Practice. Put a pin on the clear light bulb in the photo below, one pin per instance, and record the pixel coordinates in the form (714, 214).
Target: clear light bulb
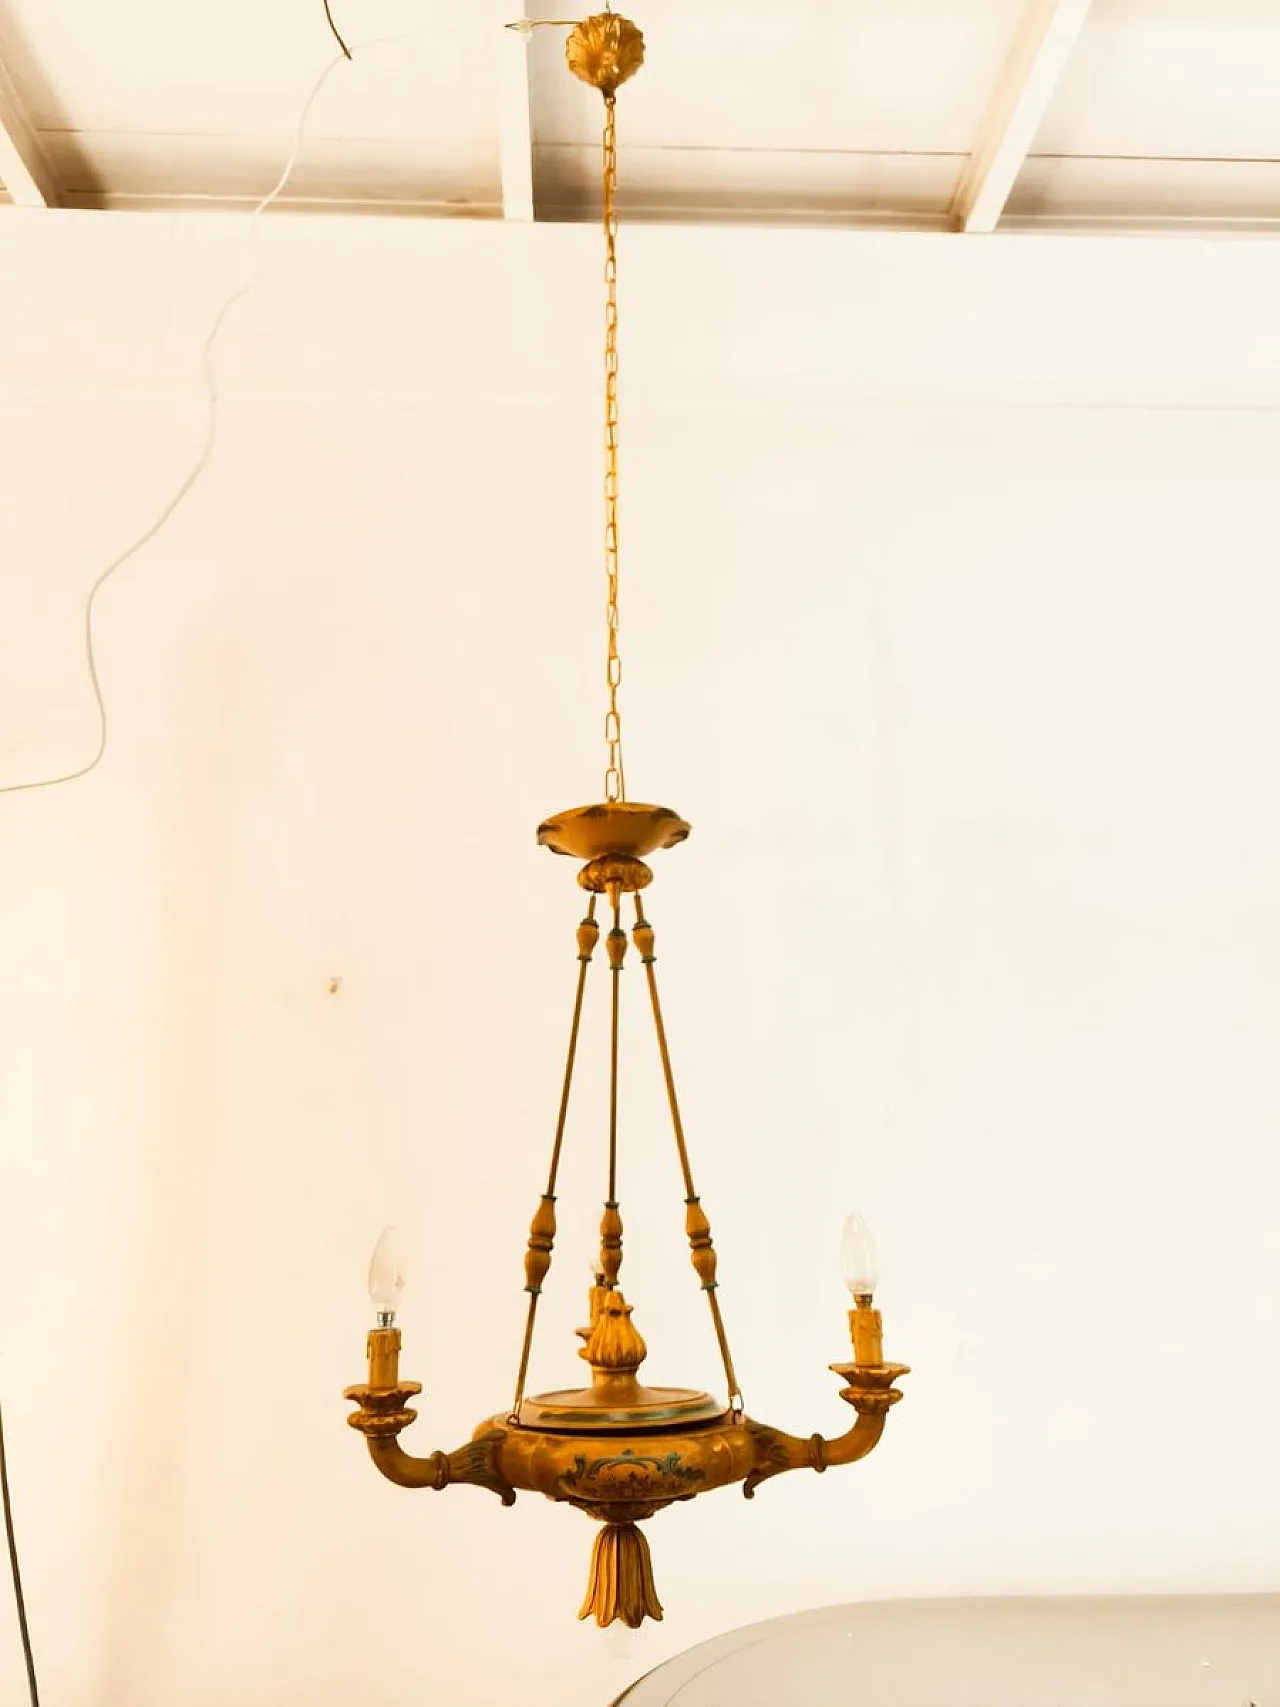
(594, 1269)
(621, 1642)
(858, 1257)
(386, 1276)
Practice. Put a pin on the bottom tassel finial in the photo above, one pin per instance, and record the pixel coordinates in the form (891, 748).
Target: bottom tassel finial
(621, 1582)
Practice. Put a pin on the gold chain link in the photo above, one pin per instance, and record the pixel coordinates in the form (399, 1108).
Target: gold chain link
(615, 784)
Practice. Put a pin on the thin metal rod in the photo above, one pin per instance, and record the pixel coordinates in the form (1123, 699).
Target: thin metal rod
(525, 1350)
(575, 1027)
(691, 1195)
(673, 1100)
(19, 1598)
(726, 1356)
(613, 1067)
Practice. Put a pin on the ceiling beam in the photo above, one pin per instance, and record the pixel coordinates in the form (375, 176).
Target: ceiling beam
(1031, 73)
(515, 114)
(24, 166)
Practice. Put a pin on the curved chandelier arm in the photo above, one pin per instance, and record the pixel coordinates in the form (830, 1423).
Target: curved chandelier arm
(848, 1448)
(475, 1463)
(383, 1413)
(871, 1393)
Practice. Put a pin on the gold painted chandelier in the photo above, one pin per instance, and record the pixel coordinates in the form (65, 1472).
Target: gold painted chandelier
(618, 1450)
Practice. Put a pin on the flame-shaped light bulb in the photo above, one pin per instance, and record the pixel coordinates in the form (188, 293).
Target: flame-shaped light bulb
(858, 1257)
(386, 1277)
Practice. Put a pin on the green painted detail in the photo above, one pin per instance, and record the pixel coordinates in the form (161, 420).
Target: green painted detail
(630, 1472)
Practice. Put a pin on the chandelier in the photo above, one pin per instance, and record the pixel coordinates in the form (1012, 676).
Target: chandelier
(619, 1450)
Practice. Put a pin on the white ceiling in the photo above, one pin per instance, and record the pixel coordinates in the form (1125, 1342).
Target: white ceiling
(1123, 113)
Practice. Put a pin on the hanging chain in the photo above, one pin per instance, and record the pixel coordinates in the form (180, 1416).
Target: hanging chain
(615, 783)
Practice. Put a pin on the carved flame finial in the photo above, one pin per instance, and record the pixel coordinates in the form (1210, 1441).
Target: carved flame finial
(615, 1346)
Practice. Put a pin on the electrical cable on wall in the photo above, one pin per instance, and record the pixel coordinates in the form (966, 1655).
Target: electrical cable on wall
(149, 533)
(337, 33)
(198, 467)
(24, 1633)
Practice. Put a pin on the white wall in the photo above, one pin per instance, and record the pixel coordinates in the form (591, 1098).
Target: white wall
(951, 603)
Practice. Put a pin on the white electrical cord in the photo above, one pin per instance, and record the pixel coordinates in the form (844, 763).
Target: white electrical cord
(202, 459)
